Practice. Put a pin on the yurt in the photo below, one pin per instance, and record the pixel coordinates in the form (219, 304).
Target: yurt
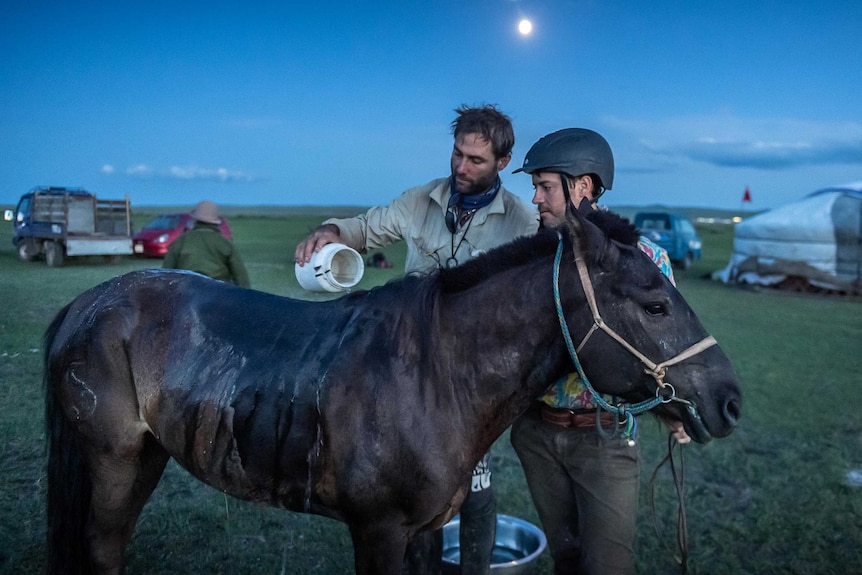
(816, 242)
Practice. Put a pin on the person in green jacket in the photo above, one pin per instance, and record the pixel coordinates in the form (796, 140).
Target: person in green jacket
(204, 250)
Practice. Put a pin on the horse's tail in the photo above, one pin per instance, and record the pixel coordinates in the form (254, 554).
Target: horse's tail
(69, 484)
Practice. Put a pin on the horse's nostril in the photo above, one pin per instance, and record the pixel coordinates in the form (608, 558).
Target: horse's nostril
(732, 410)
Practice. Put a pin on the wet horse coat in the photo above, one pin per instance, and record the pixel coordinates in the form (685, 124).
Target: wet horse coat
(371, 409)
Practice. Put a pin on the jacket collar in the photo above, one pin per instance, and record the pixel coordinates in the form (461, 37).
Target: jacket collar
(440, 194)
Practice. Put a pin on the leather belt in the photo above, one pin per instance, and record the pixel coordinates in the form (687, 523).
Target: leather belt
(571, 418)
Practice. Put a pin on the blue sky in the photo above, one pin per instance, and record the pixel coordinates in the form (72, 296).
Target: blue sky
(349, 103)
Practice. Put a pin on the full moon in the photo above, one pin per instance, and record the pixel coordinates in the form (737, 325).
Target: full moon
(525, 27)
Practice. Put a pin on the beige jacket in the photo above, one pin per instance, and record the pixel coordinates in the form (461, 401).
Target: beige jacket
(418, 216)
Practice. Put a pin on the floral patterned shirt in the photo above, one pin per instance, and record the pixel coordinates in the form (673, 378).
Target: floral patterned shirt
(569, 392)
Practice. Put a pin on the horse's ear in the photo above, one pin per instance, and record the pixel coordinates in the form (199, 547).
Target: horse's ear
(588, 241)
(574, 227)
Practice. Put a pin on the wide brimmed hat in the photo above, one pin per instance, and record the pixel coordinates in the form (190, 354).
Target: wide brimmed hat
(207, 212)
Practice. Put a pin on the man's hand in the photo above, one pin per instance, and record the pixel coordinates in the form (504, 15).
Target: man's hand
(678, 432)
(327, 234)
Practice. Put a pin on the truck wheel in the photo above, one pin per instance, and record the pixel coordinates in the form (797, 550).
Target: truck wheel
(26, 251)
(686, 261)
(54, 254)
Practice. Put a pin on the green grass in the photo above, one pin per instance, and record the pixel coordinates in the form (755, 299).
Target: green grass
(771, 498)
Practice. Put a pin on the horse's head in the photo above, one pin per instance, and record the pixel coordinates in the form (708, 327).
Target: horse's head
(646, 340)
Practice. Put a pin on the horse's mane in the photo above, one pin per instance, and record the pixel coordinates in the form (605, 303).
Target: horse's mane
(615, 227)
(510, 255)
(422, 290)
(528, 248)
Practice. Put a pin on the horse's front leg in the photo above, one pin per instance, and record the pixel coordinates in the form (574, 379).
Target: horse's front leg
(378, 548)
(424, 554)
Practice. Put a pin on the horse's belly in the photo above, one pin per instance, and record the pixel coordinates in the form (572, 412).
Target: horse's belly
(247, 449)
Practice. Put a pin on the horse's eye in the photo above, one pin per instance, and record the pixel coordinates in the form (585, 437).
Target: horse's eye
(655, 308)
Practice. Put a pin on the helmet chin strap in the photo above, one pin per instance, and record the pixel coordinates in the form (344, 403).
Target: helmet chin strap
(564, 180)
(568, 195)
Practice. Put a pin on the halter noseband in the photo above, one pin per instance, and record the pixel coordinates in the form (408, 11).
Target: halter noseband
(656, 370)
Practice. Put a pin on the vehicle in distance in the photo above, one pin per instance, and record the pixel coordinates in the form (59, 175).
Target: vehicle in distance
(154, 239)
(58, 222)
(673, 232)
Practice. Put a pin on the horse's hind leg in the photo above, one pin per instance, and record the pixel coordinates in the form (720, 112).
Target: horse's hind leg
(97, 486)
(378, 549)
(121, 460)
(122, 483)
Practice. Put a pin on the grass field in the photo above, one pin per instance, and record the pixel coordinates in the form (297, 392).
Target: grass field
(772, 498)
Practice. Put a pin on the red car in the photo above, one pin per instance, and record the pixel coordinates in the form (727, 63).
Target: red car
(154, 239)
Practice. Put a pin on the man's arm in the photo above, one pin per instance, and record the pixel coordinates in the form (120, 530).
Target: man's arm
(378, 227)
(238, 269)
(170, 261)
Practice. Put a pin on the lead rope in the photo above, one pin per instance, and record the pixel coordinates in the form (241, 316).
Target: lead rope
(627, 412)
(679, 485)
(664, 392)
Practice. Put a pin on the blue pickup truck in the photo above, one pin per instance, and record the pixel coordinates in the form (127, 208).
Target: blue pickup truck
(63, 222)
(672, 232)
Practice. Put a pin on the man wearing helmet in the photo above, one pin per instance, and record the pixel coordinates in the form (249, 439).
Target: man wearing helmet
(446, 222)
(576, 163)
(583, 483)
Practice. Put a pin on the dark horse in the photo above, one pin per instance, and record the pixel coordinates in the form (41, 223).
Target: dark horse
(371, 409)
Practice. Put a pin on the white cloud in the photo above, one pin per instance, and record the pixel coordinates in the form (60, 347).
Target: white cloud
(140, 171)
(107, 169)
(189, 173)
(215, 174)
(730, 141)
(770, 155)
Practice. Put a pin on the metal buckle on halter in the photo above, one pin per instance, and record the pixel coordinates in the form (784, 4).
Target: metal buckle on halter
(665, 398)
(657, 371)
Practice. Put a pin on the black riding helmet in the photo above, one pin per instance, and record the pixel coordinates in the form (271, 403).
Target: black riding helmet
(574, 152)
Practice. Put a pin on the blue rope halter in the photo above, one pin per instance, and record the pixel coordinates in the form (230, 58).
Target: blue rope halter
(624, 410)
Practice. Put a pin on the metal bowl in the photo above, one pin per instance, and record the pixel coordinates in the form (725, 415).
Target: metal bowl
(517, 546)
